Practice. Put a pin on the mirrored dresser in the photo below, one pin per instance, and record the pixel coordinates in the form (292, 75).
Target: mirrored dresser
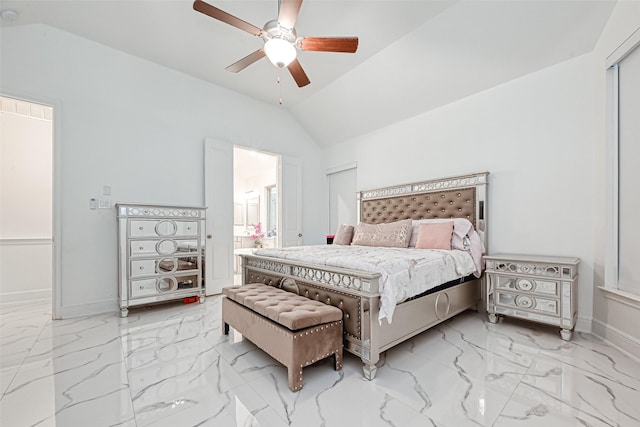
(538, 288)
(160, 254)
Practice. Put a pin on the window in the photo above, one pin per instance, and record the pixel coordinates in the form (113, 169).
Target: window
(272, 210)
(623, 197)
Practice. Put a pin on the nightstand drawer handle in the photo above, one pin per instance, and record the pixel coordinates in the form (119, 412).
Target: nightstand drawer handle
(524, 301)
(524, 285)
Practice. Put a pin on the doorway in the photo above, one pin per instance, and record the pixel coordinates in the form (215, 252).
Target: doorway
(27, 251)
(219, 199)
(255, 202)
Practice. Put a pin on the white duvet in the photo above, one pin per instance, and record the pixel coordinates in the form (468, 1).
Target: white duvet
(405, 272)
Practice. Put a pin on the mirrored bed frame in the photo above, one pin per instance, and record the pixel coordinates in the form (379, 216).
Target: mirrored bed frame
(356, 293)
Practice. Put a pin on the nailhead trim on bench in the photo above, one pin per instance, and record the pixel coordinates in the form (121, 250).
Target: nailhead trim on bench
(240, 310)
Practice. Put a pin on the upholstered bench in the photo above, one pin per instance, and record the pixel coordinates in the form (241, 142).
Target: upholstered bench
(294, 330)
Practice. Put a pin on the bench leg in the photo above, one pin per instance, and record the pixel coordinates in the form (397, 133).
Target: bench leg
(225, 328)
(295, 378)
(337, 360)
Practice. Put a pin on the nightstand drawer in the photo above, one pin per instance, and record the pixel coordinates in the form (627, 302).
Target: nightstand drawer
(549, 288)
(548, 306)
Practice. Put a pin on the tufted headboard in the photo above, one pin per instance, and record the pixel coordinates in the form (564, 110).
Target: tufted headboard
(455, 197)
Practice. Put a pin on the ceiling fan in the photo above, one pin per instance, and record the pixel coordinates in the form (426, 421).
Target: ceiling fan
(280, 39)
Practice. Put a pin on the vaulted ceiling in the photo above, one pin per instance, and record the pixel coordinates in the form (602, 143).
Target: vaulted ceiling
(413, 56)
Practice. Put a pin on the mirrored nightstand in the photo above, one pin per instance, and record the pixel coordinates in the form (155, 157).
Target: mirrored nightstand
(538, 288)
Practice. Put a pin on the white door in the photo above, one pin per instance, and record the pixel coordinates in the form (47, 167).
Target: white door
(290, 206)
(218, 188)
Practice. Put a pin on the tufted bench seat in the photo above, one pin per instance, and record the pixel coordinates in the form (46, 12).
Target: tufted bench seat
(294, 330)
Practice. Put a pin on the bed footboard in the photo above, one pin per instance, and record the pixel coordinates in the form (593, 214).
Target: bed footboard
(351, 292)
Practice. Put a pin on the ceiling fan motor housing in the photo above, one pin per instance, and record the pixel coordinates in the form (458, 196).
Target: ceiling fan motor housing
(274, 30)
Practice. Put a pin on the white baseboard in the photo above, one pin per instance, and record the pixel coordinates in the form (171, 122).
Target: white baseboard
(583, 324)
(623, 341)
(89, 309)
(10, 297)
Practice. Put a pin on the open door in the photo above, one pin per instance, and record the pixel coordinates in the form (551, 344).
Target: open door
(218, 189)
(290, 184)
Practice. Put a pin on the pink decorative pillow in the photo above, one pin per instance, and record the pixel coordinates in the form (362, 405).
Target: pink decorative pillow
(389, 235)
(343, 235)
(435, 235)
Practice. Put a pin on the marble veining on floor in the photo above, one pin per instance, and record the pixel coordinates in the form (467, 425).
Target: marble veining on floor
(170, 365)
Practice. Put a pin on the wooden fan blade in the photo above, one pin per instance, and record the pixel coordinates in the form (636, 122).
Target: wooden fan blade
(330, 44)
(225, 17)
(288, 12)
(298, 73)
(246, 61)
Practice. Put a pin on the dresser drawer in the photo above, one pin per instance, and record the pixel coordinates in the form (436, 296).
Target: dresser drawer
(547, 306)
(546, 287)
(150, 287)
(162, 247)
(143, 288)
(163, 228)
(142, 247)
(187, 228)
(142, 267)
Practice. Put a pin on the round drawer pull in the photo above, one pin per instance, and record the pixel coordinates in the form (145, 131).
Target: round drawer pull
(141, 268)
(524, 301)
(524, 285)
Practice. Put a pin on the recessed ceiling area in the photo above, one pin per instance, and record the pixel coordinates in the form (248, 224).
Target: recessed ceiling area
(413, 56)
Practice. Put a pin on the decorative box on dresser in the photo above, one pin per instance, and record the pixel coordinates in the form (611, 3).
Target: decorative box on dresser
(160, 253)
(538, 288)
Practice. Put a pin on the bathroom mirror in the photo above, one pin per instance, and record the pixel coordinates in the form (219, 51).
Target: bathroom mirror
(238, 213)
(253, 211)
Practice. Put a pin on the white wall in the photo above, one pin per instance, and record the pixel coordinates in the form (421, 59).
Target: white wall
(26, 135)
(614, 320)
(139, 128)
(535, 135)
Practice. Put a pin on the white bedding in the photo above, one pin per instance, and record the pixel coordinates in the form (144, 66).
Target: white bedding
(405, 272)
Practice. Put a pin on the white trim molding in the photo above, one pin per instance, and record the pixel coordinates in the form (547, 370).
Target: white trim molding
(26, 241)
(624, 342)
(89, 309)
(342, 168)
(584, 324)
(627, 298)
(11, 297)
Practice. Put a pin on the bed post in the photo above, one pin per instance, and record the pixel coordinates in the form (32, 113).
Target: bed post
(371, 342)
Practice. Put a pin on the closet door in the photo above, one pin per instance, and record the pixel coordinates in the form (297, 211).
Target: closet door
(343, 201)
(218, 188)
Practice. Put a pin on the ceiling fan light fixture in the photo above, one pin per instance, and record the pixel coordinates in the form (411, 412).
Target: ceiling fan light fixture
(280, 52)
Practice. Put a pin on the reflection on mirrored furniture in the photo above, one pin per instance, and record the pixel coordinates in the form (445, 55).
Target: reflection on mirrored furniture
(160, 253)
(538, 288)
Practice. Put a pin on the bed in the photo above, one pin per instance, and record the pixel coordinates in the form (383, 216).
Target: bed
(361, 292)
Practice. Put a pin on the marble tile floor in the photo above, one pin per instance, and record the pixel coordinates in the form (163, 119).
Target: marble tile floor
(169, 365)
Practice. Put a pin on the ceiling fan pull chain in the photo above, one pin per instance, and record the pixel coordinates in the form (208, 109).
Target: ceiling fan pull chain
(279, 90)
